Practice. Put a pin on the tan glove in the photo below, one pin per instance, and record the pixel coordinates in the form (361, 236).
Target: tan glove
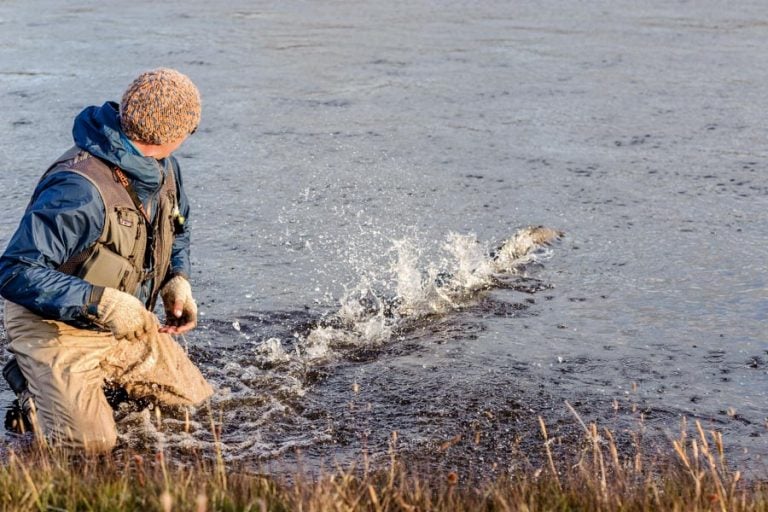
(180, 306)
(125, 315)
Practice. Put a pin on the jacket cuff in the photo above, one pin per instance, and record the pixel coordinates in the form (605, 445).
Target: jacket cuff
(92, 308)
(173, 274)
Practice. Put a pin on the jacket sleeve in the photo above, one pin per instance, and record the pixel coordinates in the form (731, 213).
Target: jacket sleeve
(180, 263)
(65, 216)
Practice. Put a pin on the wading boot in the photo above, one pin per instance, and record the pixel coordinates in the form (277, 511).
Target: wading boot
(18, 418)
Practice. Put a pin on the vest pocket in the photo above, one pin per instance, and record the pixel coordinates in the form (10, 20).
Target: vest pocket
(105, 268)
(125, 226)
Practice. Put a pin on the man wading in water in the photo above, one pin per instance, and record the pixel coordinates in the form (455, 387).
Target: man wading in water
(103, 236)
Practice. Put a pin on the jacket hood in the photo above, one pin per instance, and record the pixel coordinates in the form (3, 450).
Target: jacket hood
(97, 130)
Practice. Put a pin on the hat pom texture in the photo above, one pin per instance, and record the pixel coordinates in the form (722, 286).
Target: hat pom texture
(160, 106)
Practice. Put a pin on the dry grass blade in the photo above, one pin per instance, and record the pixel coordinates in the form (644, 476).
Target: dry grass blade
(603, 478)
(552, 468)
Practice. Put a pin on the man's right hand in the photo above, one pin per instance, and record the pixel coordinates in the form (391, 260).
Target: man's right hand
(125, 316)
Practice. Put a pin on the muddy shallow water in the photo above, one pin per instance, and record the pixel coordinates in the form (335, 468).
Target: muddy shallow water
(341, 146)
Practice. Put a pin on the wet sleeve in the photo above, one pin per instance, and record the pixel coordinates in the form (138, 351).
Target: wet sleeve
(66, 215)
(180, 263)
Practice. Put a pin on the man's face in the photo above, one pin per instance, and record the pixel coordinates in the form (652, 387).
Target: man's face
(159, 151)
(165, 150)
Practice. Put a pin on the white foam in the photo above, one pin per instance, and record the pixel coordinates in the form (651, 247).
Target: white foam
(364, 318)
(272, 351)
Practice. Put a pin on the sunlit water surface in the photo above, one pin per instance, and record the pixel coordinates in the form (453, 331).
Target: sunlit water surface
(350, 151)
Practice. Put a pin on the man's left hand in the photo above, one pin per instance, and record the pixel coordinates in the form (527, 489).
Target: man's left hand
(180, 307)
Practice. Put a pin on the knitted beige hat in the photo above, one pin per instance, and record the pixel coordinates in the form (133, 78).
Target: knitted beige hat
(160, 106)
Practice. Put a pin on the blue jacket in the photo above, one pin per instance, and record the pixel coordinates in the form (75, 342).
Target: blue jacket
(66, 215)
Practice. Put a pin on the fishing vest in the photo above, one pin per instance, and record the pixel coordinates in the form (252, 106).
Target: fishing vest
(120, 257)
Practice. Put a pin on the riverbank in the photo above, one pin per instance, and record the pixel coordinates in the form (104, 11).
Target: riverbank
(593, 475)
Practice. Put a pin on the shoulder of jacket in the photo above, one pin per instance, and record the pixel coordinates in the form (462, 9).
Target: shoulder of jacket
(67, 173)
(66, 176)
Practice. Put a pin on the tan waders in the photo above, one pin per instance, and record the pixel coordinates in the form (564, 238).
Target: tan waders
(66, 369)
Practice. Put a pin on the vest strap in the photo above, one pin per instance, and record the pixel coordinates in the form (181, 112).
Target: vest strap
(125, 182)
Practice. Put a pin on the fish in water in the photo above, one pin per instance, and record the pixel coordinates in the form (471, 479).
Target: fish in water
(517, 249)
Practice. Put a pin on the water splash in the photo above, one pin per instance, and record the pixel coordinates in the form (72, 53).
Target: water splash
(359, 321)
(368, 317)
(261, 398)
(271, 352)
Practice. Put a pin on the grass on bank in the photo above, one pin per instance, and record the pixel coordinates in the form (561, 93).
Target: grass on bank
(599, 477)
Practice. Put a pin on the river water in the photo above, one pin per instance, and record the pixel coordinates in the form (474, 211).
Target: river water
(349, 150)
